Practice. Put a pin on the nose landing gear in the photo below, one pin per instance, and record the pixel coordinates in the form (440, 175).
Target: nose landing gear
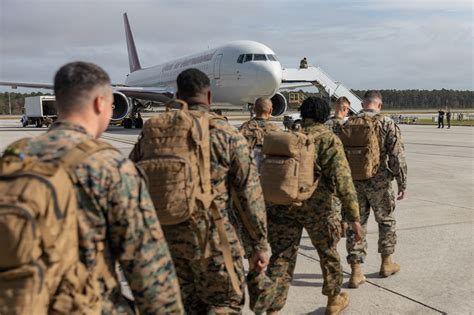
(251, 108)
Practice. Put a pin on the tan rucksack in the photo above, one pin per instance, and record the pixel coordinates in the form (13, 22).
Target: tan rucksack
(176, 159)
(253, 133)
(287, 171)
(40, 270)
(360, 137)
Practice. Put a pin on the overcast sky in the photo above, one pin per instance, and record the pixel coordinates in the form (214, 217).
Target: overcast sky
(378, 44)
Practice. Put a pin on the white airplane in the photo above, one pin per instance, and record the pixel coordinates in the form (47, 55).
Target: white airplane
(240, 72)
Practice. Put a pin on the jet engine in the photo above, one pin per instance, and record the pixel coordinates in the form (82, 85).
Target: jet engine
(279, 104)
(121, 107)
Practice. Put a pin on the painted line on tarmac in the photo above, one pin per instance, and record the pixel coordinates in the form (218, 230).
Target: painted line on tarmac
(443, 203)
(425, 226)
(448, 155)
(384, 288)
(119, 140)
(441, 145)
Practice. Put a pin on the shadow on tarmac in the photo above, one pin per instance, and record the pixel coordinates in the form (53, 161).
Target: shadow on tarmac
(318, 311)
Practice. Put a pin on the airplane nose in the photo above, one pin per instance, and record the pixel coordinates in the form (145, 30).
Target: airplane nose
(269, 79)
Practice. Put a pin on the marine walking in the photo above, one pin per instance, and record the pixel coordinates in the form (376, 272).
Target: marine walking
(196, 197)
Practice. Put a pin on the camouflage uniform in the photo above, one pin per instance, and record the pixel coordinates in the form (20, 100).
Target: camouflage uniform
(255, 146)
(115, 208)
(377, 192)
(334, 123)
(266, 125)
(204, 281)
(317, 216)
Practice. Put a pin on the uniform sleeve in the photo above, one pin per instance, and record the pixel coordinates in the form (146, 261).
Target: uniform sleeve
(396, 155)
(273, 127)
(139, 244)
(335, 167)
(245, 181)
(137, 152)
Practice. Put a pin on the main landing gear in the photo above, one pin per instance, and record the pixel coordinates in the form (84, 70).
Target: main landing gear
(134, 120)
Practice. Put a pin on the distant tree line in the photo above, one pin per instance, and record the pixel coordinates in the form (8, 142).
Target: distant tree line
(16, 101)
(419, 99)
(393, 99)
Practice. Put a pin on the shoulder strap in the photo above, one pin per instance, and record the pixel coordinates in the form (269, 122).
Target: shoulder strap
(79, 153)
(19, 144)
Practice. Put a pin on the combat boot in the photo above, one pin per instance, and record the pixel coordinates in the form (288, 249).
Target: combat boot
(337, 303)
(357, 276)
(344, 227)
(388, 267)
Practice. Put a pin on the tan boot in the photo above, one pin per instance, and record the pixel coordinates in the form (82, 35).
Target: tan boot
(344, 227)
(357, 276)
(337, 303)
(388, 267)
(272, 312)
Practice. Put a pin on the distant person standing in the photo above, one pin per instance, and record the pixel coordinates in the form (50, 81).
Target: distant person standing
(304, 63)
(448, 118)
(440, 118)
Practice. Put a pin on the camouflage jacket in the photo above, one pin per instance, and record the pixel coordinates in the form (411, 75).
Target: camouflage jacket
(335, 174)
(115, 208)
(263, 124)
(231, 165)
(392, 151)
(334, 123)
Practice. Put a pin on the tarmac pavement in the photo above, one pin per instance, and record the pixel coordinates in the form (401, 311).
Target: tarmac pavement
(434, 223)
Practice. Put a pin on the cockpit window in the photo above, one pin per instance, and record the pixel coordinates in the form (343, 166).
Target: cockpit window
(259, 57)
(255, 57)
(272, 57)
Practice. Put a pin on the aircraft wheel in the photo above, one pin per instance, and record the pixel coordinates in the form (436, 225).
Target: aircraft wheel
(138, 123)
(127, 123)
(297, 125)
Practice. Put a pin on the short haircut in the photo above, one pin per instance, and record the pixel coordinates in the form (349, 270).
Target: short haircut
(263, 105)
(372, 94)
(342, 100)
(315, 108)
(74, 82)
(192, 82)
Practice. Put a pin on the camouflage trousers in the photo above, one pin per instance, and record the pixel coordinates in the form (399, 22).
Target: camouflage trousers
(379, 197)
(285, 228)
(205, 285)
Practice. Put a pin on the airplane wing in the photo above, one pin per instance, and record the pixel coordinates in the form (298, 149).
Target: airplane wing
(318, 77)
(143, 93)
(15, 85)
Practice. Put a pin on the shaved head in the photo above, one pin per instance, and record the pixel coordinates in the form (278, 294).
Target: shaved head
(263, 105)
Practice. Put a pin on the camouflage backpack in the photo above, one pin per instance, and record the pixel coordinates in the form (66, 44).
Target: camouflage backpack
(40, 270)
(287, 172)
(360, 137)
(175, 156)
(253, 132)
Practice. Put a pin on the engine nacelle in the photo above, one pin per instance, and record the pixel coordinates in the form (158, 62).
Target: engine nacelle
(279, 104)
(121, 107)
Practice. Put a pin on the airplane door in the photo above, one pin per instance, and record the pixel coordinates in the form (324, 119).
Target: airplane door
(217, 67)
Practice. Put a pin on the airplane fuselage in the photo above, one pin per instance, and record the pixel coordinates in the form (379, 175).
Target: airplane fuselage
(240, 72)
